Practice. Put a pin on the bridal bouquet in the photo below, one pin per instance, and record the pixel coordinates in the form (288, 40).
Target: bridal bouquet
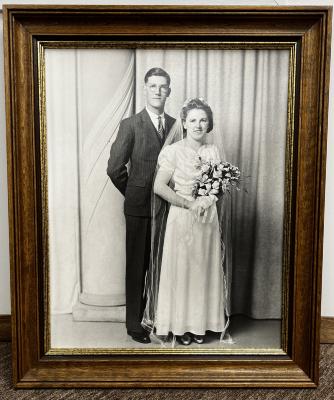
(215, 178)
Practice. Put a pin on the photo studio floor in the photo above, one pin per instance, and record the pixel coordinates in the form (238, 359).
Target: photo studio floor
(246, 333)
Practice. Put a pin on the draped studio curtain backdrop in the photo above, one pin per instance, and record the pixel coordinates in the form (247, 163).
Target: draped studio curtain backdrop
(90, 91)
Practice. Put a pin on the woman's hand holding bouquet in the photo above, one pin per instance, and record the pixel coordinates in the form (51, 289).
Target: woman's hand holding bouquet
(214, 179)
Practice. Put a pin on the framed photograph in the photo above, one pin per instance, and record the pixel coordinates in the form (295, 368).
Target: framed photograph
(166, 172)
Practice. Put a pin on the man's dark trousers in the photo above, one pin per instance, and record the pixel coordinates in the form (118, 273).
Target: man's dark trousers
(138, 142)
(138, 243)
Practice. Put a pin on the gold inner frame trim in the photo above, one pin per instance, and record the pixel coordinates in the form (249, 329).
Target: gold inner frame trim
(289, 162)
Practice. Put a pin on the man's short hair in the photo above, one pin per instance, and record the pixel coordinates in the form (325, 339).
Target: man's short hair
(157, 72)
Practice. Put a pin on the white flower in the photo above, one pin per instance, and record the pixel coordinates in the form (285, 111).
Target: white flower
(205, 177)
(214, 191)
(205, 168)
(202, 192)
(217, 174)
(208, 186)
(215, 185)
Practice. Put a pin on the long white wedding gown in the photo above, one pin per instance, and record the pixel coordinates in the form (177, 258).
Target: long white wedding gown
(191, 288)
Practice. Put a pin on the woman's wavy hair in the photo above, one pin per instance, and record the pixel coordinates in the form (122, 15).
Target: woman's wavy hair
(200, 104)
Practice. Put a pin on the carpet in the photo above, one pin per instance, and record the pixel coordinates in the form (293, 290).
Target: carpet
(325, 391)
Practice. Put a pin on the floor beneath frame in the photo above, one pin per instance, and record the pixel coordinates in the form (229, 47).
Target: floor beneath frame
(246, 334)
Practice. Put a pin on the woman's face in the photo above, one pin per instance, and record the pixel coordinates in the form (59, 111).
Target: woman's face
(196, 124)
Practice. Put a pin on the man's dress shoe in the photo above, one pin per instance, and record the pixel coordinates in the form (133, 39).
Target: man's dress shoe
(199, 339)
(140, 337)
(185, 339)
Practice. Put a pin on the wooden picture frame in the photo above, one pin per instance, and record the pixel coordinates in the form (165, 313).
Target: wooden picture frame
(306, 31)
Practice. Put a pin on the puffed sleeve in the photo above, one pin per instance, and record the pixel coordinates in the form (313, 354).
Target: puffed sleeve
(166, 159)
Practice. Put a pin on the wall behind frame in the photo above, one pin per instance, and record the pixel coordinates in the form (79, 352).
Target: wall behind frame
(328, 255)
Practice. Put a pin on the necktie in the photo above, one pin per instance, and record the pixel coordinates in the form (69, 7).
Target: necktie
(161, 130)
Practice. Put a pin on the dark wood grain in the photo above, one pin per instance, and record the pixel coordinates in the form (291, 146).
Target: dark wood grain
(309, 28)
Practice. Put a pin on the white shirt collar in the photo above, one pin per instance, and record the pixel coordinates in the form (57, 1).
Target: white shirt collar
(153, 116)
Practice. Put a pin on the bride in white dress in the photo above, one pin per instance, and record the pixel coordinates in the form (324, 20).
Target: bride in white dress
(190, 295)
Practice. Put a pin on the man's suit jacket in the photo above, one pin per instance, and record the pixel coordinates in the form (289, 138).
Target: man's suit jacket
(137, 141)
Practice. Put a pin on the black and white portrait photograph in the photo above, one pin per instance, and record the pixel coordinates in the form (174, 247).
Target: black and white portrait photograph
(166, 197)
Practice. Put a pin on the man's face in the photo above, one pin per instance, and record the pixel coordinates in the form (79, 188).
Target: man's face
(156, 91)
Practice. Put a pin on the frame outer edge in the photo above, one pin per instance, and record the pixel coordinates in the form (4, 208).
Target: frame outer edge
(11, 173)
(322, 150)
(160, 7)
(320, 178)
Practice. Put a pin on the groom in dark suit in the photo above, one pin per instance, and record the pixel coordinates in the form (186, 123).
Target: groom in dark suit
(139, 141)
